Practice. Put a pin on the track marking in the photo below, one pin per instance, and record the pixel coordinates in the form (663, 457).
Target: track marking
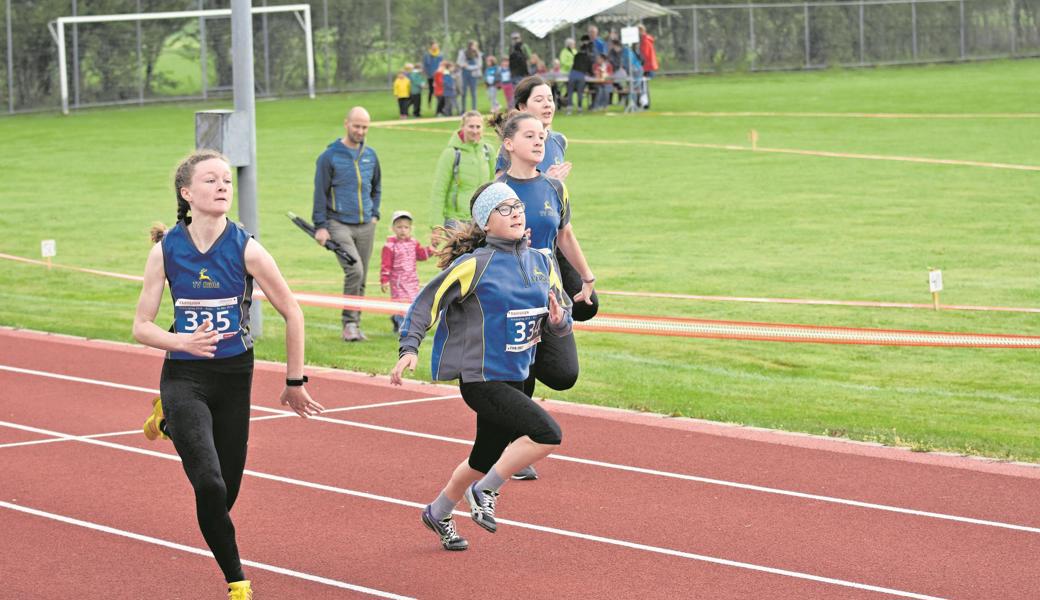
(199, 551)
(277, 413)
(520, 524)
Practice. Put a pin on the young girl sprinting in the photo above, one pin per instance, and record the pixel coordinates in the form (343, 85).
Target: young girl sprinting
(210, 263)
(495, 300)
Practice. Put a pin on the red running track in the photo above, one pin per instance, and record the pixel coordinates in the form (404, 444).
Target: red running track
(634, 506)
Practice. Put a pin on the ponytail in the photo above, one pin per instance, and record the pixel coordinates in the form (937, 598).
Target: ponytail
(462, 238)
(157, 232)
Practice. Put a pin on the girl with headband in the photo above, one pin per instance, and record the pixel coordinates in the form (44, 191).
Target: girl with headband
(498, 298)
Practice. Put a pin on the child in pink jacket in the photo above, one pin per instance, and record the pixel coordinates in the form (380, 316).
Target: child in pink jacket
(400, 254)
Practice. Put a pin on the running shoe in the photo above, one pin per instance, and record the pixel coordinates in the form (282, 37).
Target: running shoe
(445, 529)
(240, 590)
(482, 507)
(153, 425)
(526, 474)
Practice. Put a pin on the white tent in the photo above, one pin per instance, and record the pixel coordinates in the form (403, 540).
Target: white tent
(542, 18)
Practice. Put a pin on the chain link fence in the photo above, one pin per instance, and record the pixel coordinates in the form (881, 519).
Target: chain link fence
(359, 44)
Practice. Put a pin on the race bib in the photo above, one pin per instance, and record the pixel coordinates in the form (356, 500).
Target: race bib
(524, 328)
(222, 313)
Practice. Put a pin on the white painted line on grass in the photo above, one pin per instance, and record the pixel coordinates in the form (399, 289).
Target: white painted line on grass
(200, 552)
(523, 525)
(277, 413)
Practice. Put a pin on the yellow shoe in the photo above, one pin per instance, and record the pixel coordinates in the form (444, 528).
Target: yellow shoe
(239, 590)
(152, 425)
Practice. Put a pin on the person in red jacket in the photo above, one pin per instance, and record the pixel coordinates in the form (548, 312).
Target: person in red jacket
(400, 254)
(648, 55)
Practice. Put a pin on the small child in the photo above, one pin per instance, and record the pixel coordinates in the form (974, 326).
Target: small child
(403, 92)
(505, 79)
(418, 79)
(400, 254)
(493, 82)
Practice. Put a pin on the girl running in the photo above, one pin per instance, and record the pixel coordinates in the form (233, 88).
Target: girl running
(534, 96)
(210, 263)
(496, 297)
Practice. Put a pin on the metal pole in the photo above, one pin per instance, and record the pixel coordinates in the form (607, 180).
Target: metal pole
(913, 27)
(751, 35)
(1011, 26)
(202, 53)
(389, 42)
(245, 106)
(267, 54)
(10, 62)
(962, 29)
(62, 69)
(75, 56)
(447, 34)
(308, 36)
(501, 28)
(140, 60)
(696, 45)
(807, 59)
(862, 54)
(325, 43)
(552, 48)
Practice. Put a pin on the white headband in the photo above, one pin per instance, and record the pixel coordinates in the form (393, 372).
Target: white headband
(492, 196)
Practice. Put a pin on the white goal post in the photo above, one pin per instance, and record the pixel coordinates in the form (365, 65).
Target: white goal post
(57, 28)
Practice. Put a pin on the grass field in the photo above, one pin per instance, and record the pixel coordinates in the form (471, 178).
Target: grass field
(651, 217)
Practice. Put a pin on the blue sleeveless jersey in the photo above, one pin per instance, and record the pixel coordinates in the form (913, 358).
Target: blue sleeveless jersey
(211, 286)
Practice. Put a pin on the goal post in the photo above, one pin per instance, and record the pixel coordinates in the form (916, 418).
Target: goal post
(302, 12)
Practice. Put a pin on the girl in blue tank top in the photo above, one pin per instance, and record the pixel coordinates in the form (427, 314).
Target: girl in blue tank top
(210, 263)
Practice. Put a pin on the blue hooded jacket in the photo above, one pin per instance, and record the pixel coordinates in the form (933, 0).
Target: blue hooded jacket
(347, 185)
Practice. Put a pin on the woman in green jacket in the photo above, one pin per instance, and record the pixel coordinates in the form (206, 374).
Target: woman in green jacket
(467, 163)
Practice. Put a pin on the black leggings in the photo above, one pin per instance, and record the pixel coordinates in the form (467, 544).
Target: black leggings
(505, 413)
(572, 285)
(206, 405)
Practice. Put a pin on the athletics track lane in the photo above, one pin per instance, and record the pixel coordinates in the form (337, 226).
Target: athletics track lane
(910, 553)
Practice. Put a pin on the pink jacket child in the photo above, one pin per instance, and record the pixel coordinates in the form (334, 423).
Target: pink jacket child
(400, 254)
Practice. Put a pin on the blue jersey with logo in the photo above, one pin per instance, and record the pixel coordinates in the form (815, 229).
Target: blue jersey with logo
(546, 205)
(554, 154)
(210, 286)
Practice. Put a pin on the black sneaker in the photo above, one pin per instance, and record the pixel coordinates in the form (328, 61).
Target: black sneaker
(445, 528)
(526, 474)
(482, 507)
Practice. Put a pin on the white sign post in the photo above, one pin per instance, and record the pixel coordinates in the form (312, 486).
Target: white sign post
(935, 285)
(48, 248)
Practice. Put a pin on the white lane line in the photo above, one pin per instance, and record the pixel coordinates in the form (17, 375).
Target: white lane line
(200, 552)
(521, 524)
(277, 413)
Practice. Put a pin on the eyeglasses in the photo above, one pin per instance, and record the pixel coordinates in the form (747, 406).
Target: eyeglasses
(507, 209)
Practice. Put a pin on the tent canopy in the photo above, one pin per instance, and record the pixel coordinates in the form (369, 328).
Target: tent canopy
(542, 18)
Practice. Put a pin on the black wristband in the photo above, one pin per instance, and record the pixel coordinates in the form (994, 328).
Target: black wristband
(296, 382)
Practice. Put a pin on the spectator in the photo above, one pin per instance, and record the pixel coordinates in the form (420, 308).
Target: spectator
(470, 60)
(567, 56)
(397, 267)
(648, 54)
(581, 69)
(403, 92)
(603, 73)
(418, 79)
(451, 92)
(505, 75)
(347, 192)
(467, 163)
(598, 46)
(519, 57)
(493, 79)
(438, 88)
(431, 63)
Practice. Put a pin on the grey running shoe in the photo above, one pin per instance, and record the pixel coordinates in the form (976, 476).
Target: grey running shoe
(445, 529)
(526, 474)
(482, 507)
(352, 333)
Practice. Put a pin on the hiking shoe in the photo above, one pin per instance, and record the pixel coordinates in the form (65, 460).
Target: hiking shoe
(482, 507)
(153, 425)
(526, 474)
(445, 529)
(240, 590)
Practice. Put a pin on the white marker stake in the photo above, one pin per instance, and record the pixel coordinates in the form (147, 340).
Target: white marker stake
(753, 134)
(935, 285)
(48, 248)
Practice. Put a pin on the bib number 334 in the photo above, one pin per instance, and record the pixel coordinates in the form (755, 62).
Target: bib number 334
(524, 328)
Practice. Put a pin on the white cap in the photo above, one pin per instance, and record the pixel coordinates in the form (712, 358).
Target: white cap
(401, 213)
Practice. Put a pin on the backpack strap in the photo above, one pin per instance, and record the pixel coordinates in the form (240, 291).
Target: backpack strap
(455, 178)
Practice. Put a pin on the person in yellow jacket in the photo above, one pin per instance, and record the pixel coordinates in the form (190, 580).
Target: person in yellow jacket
(467, 163)
(403, 91)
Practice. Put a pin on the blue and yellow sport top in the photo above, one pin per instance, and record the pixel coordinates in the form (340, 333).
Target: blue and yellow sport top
(546, 204)
(210, 286)
(492, 305)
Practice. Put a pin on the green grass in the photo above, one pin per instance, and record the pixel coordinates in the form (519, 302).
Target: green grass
(651, 218)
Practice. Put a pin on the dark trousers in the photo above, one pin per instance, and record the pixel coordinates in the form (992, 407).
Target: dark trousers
(429, 94)
(416, 101)
(206, 405)
(505, 413)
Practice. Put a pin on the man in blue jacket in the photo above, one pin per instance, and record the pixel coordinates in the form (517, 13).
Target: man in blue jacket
(347, 191)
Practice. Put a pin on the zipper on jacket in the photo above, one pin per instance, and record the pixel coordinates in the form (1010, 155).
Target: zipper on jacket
(520, 263)
(360, 202)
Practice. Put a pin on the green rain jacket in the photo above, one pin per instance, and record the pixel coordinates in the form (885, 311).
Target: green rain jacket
(461, 169)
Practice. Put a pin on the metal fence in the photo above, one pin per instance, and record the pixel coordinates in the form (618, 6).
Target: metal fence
(359, 44)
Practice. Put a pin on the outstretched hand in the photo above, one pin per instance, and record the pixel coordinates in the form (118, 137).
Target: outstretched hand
(408, 361)
(559, 171)
(297, 398)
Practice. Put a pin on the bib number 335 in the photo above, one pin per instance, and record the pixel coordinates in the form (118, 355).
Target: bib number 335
(221, 313)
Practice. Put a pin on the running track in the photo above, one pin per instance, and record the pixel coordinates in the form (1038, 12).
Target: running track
(635, 506)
